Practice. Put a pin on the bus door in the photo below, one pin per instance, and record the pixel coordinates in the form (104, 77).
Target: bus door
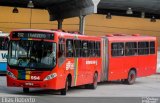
(105, 56)
(61, 55)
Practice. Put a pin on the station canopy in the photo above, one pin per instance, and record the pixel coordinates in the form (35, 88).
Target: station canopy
(58, 9)
(140, 8)
(70, 8)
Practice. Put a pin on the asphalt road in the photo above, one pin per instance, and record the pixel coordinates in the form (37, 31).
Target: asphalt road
(144, 87)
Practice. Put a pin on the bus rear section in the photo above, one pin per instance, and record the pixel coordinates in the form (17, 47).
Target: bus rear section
(3, 52)
(52, 60)
(129, 57)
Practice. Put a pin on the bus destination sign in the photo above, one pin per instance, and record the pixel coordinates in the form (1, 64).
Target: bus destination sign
(37, 35)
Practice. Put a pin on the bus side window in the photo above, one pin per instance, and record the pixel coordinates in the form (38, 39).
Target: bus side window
(77, 46)
(98, 49)
(3, 43)
(90, 49)
(69, 48)
(93, 49)
(117, 49)
(61, 47)
(84, 49)
(152, 47)
(143, 48)
(6, 43)
(130, 48)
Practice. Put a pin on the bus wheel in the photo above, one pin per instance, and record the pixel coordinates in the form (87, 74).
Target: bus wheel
(95, 80)
(25, 90)
(131, 77)
(64, 91)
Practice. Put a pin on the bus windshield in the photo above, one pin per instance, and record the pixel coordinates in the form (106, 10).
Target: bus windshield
(32, 54)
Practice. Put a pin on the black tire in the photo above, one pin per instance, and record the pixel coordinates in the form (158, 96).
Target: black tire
(123, 81)
(131, 77)
(95, 81)
(87, 86)
(25, 90)
(64, 91)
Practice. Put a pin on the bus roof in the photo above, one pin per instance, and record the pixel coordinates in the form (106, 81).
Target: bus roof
(59, 32)
(111, 37)
(33, 30)
(4, 34)
(131, 38)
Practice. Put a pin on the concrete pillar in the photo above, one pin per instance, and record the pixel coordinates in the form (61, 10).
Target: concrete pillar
(30, 23)
(60, 21)
(81, 24)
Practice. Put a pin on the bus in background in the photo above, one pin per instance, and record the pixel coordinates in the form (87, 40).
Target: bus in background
(4, 39)
(58, 60)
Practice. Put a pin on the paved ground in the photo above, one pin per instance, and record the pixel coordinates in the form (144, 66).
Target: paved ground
(106, 92)
(146, 86)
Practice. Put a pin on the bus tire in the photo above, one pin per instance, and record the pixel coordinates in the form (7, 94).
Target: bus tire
(64, 91)
(95, 81)
(25, 90)
(131, 77)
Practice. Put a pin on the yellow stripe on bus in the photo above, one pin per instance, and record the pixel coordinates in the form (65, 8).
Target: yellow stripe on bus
(76, 71)
(28, 77)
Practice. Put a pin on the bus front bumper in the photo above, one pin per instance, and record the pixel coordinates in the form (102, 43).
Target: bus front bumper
(50, 84)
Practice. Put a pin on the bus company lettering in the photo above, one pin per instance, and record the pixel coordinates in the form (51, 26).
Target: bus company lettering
(91, 62)
(69, 65)
(3, 56)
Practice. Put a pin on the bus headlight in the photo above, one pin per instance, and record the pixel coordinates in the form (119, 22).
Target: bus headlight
(51, 76)
(11, 74)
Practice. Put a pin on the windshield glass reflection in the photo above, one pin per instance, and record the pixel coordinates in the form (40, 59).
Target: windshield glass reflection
(32, 54)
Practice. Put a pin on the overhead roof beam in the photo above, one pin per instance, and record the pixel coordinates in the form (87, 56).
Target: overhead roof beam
(72, 8)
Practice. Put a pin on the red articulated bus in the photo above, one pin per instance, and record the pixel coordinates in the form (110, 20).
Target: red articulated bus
(58, 60)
